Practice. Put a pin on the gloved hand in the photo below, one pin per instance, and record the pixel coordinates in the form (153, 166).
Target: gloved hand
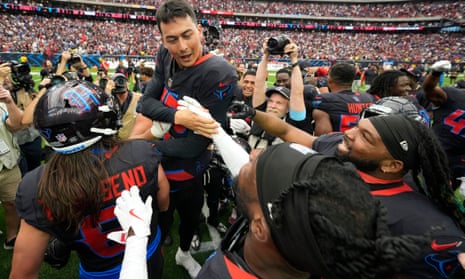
(132, 213)
(159, 129)
(241, 110)
(194, 106)
(440, 67)
(233, 154)
(239, 126)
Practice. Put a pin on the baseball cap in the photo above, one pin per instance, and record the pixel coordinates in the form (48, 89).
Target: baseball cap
(278, 89)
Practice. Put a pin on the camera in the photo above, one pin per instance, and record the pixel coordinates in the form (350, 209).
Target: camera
(276, 44)
(21, 75)
(74, 59)
(103, 83)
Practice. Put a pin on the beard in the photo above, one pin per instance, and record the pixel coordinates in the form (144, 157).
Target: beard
(367, 166)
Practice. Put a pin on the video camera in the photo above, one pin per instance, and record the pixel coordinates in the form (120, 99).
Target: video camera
(21, 75)
(212, 35)
(276, 44)
(75, 58)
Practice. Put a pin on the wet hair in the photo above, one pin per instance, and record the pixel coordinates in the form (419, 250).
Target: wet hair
(172, 9)
(348, 225)
(342, 74)
(383, 84)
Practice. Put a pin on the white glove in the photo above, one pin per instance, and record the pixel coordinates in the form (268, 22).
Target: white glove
(441, 66)
(233, 154)
(132, 213)
(194, 106)
(239, 126)
(159, 129)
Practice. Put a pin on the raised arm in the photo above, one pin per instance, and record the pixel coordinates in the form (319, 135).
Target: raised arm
(296, 102)
(433, 92)
(259, 96)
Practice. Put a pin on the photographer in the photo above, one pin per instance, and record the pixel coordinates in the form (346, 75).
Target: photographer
(22, 91)
(127, 101)
(74, 63)
(10, 174)
(281, 101)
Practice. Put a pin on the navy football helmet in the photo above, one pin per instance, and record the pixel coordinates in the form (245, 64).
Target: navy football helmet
(74, 115)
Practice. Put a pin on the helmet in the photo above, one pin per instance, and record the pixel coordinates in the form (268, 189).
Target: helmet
(74, 115)
(393, 105)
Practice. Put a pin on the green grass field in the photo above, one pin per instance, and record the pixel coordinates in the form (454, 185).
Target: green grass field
(71, 270)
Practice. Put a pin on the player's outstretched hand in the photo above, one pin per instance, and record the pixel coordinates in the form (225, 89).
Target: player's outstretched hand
(132, 213)
(441, 66)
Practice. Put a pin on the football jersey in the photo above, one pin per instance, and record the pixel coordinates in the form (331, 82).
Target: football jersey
(133, 163)
(343, 107)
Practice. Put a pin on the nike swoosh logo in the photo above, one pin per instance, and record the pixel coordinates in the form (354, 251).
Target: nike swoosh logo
(132, 213)
(439, 247)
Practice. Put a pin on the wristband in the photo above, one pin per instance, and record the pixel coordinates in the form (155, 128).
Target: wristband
(295, 64)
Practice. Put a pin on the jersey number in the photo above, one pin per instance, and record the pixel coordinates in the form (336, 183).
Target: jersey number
(348, 121)
(96, 237)
(456, 121)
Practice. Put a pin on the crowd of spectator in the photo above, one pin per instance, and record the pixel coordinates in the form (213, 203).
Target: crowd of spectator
(449, 9)
(48, 35)
(454, 10)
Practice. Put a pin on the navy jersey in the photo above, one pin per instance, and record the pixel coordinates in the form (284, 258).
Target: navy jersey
(343, 107)
(410, 212)
(212, 81)
(133, 163)
(449, 127)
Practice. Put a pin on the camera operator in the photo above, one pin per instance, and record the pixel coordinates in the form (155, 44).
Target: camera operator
(47, 70)
(75, 64)
(23, 93)
(127, 101)
(281, 101)
(10, 174)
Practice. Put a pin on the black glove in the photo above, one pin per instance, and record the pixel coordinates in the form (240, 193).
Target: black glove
(57, 253)
(241, 110)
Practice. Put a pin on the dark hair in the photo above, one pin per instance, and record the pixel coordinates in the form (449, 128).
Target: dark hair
(349, 226)
(250, 73)
(342, 74)
(146, 71)
(432, 172)
(383, 84)
(285, 70)
(172, 9)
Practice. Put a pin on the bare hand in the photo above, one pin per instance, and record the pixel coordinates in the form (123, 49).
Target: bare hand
(5, 96)
(5, 70)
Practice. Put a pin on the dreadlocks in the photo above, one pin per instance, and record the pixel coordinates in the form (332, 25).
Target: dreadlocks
(383, 84)
(348, 225)
(432, 166)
